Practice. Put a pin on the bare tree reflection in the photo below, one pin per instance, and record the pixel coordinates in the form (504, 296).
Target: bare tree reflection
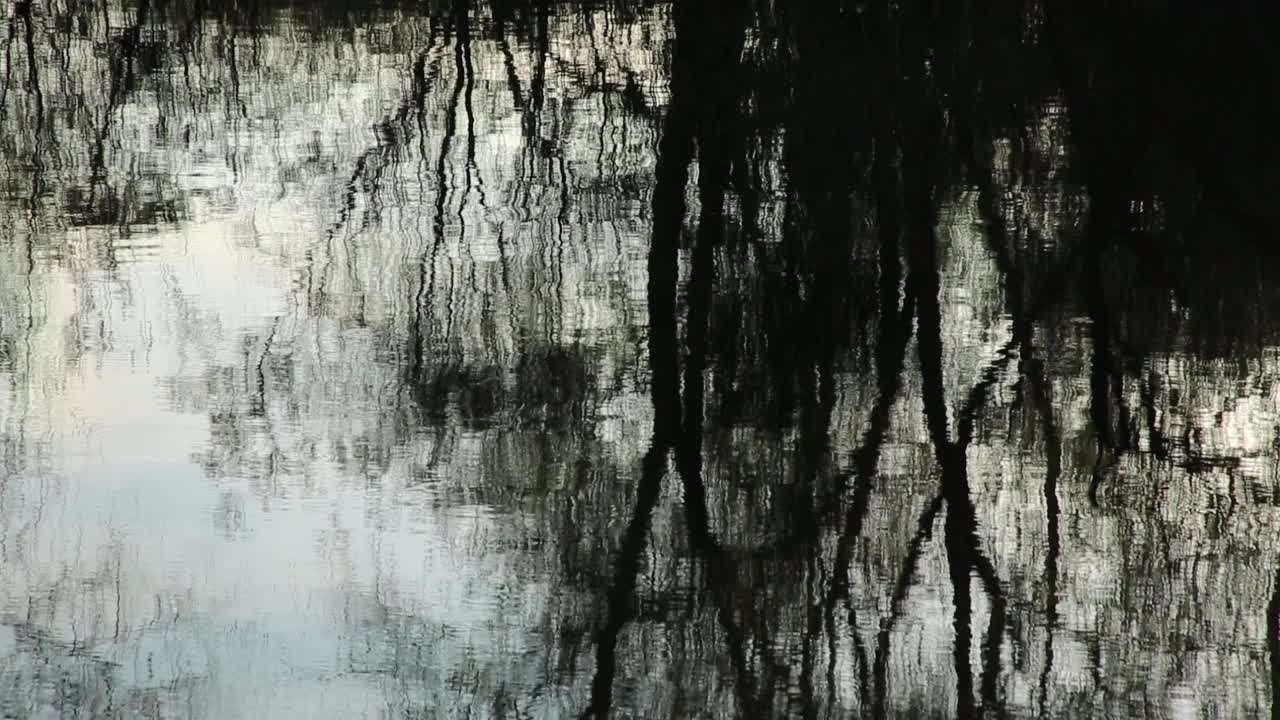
(641, 358)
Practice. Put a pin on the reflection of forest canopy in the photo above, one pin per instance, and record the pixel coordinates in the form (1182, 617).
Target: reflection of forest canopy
(817, 172)
(871, 160)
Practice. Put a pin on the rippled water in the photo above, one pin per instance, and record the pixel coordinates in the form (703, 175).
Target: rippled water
(541, 359)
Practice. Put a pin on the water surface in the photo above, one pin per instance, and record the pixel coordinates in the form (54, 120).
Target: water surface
(637, 359)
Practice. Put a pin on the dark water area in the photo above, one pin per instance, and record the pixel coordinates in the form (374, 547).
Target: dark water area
(538, 359)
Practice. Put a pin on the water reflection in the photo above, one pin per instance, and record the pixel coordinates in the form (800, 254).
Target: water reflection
(636, 359)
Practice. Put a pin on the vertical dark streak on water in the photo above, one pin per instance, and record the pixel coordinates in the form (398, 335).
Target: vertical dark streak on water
(255, 35)
(1100, 367)
(1053, 471)
(23, 10)
(119, 609)
(462, 21)
(747, 186)
(23, 414)
(721, 569)
(8, 66)
(708, 67)
(812, 631)
(891, 358)
(924, 284)
(958, 533)
(963, 553)
(891, 344)
(421, 83)
(958, 530)
(462, 28)
(121, 83)
(627, 569)
(601, 79)
(818, 237)
(186, 46)
(993, 645)
(833, 648)
(963, 550)
(675, 152)
(508, 60)
(259, 400)
(416, 104)
(902, 588)
(233, 68)
(504, 269)
(962, 602)
(699, 69)
(605, 121)
(563, 233)
(416, 335)
(701, 282)
(345, 209)
(1110, 144)
(1273, 644)
(1156, 442)
(427, 270)
(1032, 367)
(894, 333)
(537, 87)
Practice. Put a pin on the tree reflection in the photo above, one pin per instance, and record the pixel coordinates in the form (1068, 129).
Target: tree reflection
(706, 357)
